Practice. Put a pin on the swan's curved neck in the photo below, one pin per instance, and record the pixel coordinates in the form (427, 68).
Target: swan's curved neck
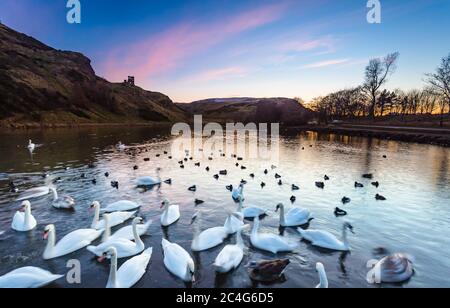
(255, 227)
(107, 232)
(27, 216)
(96, 216)
(50, 241)
(137, 238)
(345, 237)
(282, 217)
(239, 209)
(112, 281)
(239, 241)
(323, 280)
(55, 193)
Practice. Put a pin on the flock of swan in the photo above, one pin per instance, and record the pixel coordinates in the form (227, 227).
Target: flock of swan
(126, 243)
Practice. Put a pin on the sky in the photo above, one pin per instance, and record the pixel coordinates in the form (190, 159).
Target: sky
(197, 49)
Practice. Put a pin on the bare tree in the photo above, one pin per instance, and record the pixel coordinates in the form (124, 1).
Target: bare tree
(440, 80)
(376, 76)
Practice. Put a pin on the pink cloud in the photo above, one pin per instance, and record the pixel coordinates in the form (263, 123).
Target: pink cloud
(326, 63)
(220, 74)
(326, 44)
(167, 51)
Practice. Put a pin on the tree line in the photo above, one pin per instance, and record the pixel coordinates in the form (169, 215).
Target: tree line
(372, 100)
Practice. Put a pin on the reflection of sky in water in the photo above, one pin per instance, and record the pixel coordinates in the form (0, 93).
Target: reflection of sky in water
(414, 178)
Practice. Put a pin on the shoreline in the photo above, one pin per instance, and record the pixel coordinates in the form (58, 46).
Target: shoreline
(432, 136)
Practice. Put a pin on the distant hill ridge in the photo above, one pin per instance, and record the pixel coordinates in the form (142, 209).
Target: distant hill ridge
(40, 85)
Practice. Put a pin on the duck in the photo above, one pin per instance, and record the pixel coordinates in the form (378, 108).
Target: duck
(324, 239)
(147, 159)
(263, 184)
(251, 212)
(94, 181)
(148, 181)
(27, 278)
(115, 184)
(295, 187)
(346, 200)
(125, 247)
(320, 185)
(229, 188)
(223, 172)
(368, 176)
(208, 238)
(266, 171)
(293, 199)
(130, 272)
(380, 197)
(31, 146)
(120, 206)
(277, 176)
(171, 213)
(198, 201)
(114, 218)
(106, 174)
(178, 261)
(193, 188)
(267, 271)
(135, 167)
(38, 192)
(252, 175)
(359, 185)
(243, 168)
(322, 276)
(216, 176)
(295, 217)
(231, 255)
(168, 181)
(268, 241)
(13, 188)
(238, 193)
(243, 182)
(23, 220)
(197, 164)
(326, 178)
(72, 242)
(395, 268)
(207, 169)
(376, 184)
(339, 212)
(280, 182)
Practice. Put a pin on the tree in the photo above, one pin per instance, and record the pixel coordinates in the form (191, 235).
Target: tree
(376, 76)
(440, 80)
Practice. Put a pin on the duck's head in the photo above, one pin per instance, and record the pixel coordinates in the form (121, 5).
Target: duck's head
(26, 205)
(48, 229)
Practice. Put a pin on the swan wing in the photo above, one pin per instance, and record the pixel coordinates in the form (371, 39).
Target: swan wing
(77, 240)
(174, 213)
(230, 257)
(127, 232)
(211, 237)
(297, 217)
(34, 193)
(123, 205)
(253, 212)
(18, 221)
(133, 270)
(27, 277)
(324, 239)
(272, 243)
(176, 259)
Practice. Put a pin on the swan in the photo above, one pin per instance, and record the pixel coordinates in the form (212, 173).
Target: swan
(123, 205)
(125, 248)
(23, 220)
(327, 240)
(295, 217)
(31, 146)
(70, 243)
(171, 213)
(251, 212)
(147, 181)
(38, 192)
(234, 222)
(27, 277)
(231, 255)
(238, 193)
(114, 218)
(120, 146)
(393, 269)
(268, 241)
(178, 261)
(130, 272)
(64, 203)
(207, 239)
(322, 276)
(125, 232)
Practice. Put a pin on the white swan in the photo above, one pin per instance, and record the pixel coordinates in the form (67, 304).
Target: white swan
(70, 243)
(238, 193)
(64, 203)
(123, 205)
(322, 276)
(31, 146)
(127, 232)
(327, 240)
(130, 272)
(38, 192)
(178, 261)
(120, 146)
(231, 255)
(125, 248)
(114, 218)
(268, 241)
(251, 212)
(23, 220)
(171, 213)
(295, 217)
(27, 278)
(392, 269)
(147, 181)
(209, 238)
